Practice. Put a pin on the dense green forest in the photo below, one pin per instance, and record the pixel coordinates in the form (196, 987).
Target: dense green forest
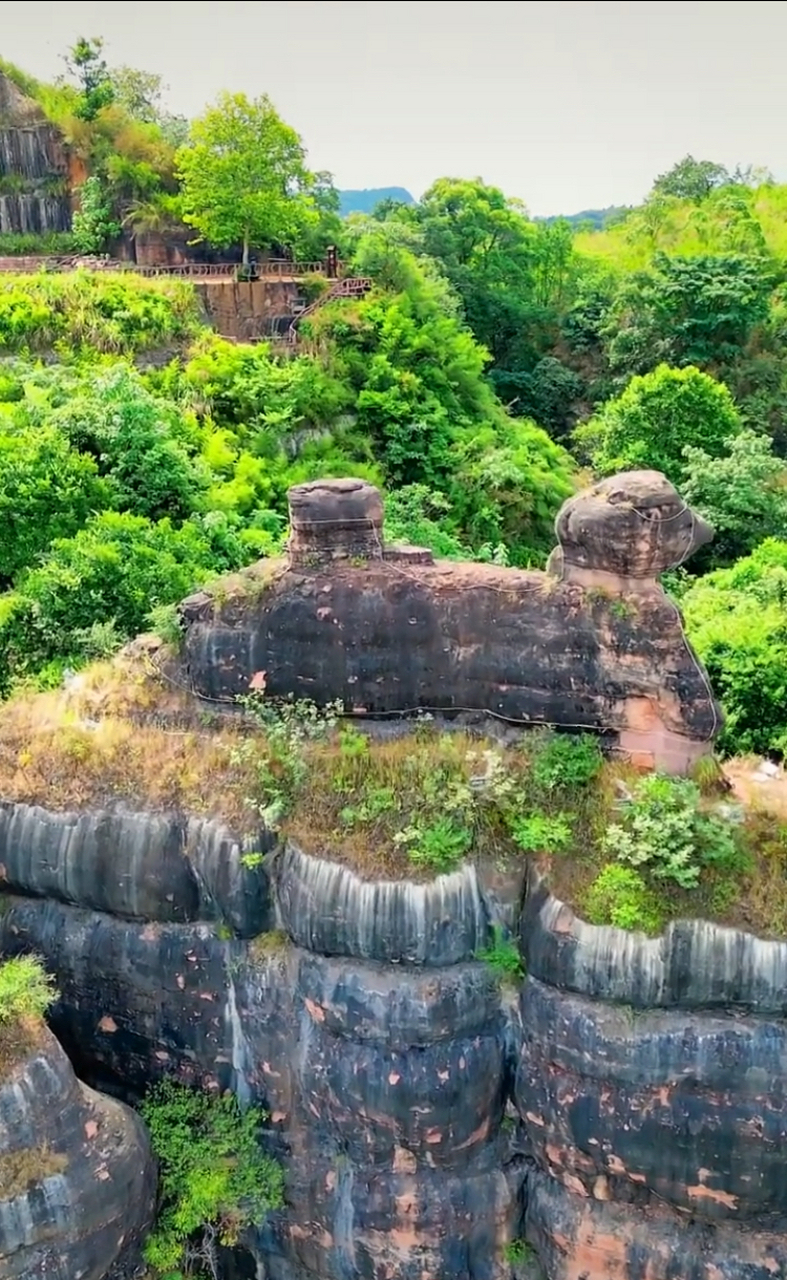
(498, 362)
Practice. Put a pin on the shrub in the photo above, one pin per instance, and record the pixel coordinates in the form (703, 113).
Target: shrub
(664, 830)
(26, 990)
(620, 897)
(214, 1177)
(47, 491)
(116, 570)
(502, 956)
(735, 618)
(562, 761)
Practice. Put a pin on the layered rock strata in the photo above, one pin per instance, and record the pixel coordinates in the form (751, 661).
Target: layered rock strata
(34, 167)
(647, 1075)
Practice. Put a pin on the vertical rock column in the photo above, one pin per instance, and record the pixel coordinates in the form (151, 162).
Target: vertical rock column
(397, 1163)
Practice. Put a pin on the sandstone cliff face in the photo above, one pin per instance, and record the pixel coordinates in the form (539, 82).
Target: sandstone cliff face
(77, 1181)
(34, 167)
(624, 1111)
(593, 644)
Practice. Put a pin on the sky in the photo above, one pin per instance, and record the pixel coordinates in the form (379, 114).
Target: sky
(565, 104)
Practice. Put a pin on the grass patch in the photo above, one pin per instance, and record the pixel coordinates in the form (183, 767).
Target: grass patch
(21, 1170)
(26, 992)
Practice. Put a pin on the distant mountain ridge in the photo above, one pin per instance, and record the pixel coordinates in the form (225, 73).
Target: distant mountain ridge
(365, 201)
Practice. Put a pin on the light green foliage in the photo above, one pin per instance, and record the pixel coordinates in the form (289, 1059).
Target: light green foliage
(108, 312)
(26, 990)
(563, 760)
(664, 829)
(214, 1176)
(517, 1252)
(656, 417)
(735, 618)
(88, 67)
(93, 226)
(542, 832)
(140, 442)
(742, 494)
(439, 845)
(620, 897)
(689, 311)
(502, 956)
(243, 176)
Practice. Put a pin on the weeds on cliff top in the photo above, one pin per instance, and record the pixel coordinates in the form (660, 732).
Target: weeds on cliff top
(214, 1177)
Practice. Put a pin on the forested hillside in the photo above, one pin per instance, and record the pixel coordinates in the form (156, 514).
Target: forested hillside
(496, 362)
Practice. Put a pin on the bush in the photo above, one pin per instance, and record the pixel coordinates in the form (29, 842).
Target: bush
(620, 897)
(47, 491)
(563, 760)
(116, 570)
(214, 1177)
(656, 417)
(26, 990)
(109, 311)
(664, 830)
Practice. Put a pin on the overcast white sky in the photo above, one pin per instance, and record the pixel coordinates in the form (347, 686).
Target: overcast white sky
(568, 104)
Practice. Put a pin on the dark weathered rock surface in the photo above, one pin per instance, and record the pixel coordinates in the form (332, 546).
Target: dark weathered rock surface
(687, 1111)
(327, 908)
(587, 1239)
(693, 964)
(77, 1181)
(143, 866)
(345, 622)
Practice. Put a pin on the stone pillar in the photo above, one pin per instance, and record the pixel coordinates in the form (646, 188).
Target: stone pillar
(335, 520)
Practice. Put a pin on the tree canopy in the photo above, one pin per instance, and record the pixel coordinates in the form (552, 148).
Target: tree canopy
(243, 176)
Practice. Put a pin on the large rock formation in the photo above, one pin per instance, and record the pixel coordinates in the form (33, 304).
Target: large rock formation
(622, 1115)
(34, 167)
(77, 1181)
(594, 643)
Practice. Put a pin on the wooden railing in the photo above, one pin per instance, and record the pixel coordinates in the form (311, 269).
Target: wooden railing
(276, 268)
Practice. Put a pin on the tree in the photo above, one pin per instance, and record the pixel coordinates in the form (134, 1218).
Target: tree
(692, 179)
(695, 310)
(653, 420)
(93, 225)
(87, 65)
(137, 92)
(47, 491)
(244, 176)
(743, 495)
(735, 619)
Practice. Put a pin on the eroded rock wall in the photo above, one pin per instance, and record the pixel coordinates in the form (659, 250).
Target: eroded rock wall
(625, 1110)
(77, 1180)
(34, 167)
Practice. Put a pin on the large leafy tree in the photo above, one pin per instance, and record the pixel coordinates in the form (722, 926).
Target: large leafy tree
(244, 176)
(689, 310)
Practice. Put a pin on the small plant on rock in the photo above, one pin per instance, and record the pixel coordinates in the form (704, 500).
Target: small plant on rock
(437, 846)
(280, 761)
(563, 761)
(26, 989)
(502, 956)
(620, 897)
(542, 832)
